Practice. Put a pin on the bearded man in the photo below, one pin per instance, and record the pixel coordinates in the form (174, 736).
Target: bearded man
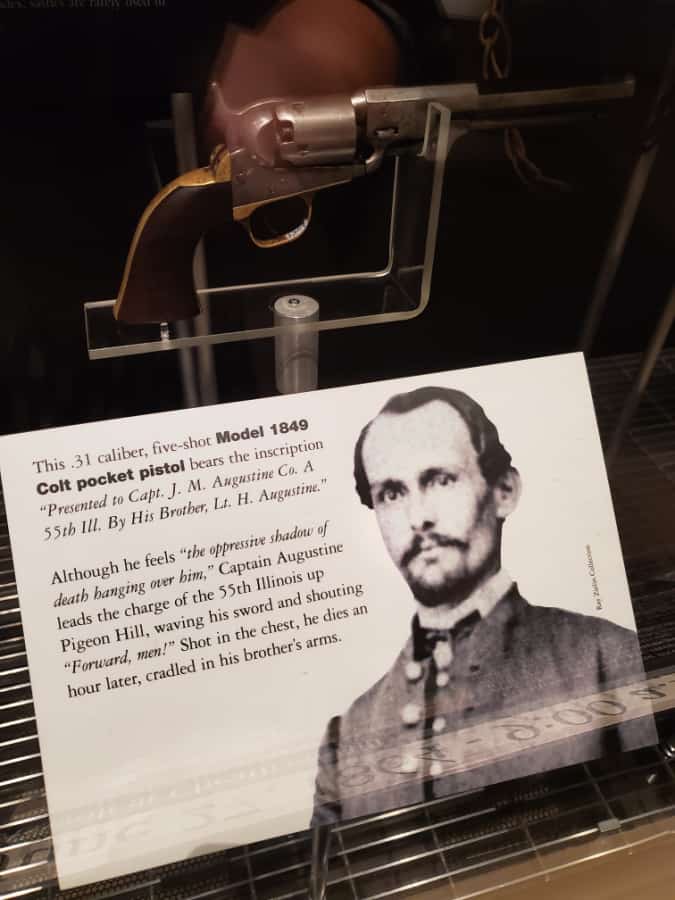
(433, 469)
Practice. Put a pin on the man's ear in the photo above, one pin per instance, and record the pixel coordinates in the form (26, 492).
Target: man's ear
(507, 492)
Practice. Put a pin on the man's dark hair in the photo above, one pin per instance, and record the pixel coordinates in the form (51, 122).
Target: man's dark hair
(493, 458)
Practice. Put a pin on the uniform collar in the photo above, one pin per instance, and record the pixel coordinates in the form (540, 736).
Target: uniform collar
(482, 601)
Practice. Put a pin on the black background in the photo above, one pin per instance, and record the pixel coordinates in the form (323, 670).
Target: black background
(515, 268)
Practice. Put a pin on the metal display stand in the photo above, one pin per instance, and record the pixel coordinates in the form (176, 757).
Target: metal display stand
(637, 183)
(199, 386)
(318, 879)
(396, 292)
(614, 252)
(647, 365)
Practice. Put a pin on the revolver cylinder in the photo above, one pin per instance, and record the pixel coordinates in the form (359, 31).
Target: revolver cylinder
(317, 131)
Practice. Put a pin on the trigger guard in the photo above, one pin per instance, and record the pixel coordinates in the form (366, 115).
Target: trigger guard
(281, 239)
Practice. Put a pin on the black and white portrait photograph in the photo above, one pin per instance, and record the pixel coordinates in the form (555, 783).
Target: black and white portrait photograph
(442, 487)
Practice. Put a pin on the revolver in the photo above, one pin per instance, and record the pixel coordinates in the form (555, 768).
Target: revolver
(280, 152)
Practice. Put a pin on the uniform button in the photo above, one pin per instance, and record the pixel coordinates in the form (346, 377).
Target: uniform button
(442, 679)
(409, 765)
(474, 668)
(411, 714)
(442, 654)
(435, 769)
(438, 725)
(413, 671)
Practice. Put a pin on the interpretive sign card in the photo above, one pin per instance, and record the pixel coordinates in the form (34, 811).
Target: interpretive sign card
(245, 617)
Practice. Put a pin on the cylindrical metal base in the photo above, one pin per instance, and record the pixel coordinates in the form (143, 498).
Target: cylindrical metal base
(296, 351)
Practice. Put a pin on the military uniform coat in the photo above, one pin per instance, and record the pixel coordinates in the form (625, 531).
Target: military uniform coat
(519, 658)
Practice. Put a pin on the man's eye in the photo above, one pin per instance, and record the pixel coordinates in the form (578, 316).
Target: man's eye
(444, 478)
(389, 495)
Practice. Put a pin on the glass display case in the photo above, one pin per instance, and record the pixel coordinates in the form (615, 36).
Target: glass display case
(440, 260)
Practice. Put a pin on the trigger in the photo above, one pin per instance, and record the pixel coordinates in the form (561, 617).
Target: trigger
(281, 222)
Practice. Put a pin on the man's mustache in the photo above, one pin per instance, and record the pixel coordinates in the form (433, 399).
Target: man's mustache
(440, 540)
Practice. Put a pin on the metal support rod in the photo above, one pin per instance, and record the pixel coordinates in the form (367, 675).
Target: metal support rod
(637, 183)
(647, 365)
(321, 835)
(186, 157)
(616, 245)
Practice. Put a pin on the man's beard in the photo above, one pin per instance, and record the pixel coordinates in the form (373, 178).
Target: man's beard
(453, 588)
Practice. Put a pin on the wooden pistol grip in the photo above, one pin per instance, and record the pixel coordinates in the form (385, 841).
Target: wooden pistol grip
(158, 284)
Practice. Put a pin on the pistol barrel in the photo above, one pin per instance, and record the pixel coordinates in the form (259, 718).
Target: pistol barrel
(330, 130)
